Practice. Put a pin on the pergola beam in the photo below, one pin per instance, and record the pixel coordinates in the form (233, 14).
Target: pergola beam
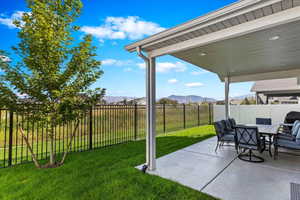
(263, 23)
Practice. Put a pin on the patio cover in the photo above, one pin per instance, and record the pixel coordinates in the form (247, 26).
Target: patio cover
(249, 40)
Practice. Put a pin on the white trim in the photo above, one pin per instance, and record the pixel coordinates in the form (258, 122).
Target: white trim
(288, 73)
(263, 23)
(230, 11)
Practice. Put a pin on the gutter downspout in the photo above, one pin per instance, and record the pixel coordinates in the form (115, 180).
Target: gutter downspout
(140, 54)
(147, 63)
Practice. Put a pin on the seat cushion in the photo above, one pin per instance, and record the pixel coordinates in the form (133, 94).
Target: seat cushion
(228, 137)
(288, 144)
(298, 137)
(286, 137)
(295, 128)
(230, 132)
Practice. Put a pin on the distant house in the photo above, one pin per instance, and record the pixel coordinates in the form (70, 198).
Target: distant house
(281, 91)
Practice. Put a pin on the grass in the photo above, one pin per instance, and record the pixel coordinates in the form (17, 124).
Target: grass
(106, 173)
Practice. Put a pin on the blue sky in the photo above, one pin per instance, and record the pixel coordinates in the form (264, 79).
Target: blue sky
(115, 24)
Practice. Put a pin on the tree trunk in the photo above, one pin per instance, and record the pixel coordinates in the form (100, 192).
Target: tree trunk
(69, 145)
(52, 155)
(36, 163)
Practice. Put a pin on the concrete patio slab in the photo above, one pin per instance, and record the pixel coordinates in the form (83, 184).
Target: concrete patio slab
(208, 146)
(222, 175)
(248, 181)
(190, 169)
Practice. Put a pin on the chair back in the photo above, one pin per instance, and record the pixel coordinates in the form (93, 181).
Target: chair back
(264, 121)
(247, 137)
(232, 122)
(220, 129)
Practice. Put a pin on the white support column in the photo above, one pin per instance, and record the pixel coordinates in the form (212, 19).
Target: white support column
(150, 107)
(227, 109)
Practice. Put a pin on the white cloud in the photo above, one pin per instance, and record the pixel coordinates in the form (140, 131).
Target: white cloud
(120, 63)
(194, 84)
(197, 73)
(172, 81)
(5, 58)
(165, 67)
(131, 27)
(8, 21)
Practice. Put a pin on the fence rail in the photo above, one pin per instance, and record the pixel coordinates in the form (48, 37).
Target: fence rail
(104, 125)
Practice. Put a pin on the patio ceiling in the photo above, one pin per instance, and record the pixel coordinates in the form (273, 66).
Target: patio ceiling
(246, 41)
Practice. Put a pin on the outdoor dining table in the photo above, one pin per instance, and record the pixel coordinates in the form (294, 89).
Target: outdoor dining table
(267, 130)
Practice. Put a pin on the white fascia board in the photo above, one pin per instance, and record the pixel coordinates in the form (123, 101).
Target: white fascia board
(265, 76)
(222, 14)
(263, 23)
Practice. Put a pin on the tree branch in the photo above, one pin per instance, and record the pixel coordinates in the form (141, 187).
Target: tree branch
(69, 145)
(36, 163)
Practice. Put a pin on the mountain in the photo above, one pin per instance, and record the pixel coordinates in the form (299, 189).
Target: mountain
(116, 99)
(191, 99)
(242, 97)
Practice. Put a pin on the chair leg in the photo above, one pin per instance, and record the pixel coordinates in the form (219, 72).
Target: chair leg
(222, 143)
(250, 157)
(217, 146)
(275, 152)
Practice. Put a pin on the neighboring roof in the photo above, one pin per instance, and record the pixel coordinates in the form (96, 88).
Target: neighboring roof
(288, 85)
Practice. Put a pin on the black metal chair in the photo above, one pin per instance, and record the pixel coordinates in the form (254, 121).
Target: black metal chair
(248, 138)
(222, 135)
(264, 121)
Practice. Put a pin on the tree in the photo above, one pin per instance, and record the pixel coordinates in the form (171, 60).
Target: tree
(247, 101)
(52, 71)
(167, 101)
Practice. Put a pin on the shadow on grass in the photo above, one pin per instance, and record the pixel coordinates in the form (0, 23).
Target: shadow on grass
(106, 173)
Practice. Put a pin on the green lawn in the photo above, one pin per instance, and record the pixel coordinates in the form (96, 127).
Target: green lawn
(106, 173)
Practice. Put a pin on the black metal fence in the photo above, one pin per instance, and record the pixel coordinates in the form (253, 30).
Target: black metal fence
(104, 125)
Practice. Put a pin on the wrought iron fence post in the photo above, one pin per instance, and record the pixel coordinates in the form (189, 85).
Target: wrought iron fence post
(184, 124)
(10, 139)
(91, 129)
(135, 121)
(164, 117)
(198, 114)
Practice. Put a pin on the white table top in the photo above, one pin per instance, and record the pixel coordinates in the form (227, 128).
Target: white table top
(266, 129)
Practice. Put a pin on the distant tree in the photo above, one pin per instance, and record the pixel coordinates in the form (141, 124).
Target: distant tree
(220, 103)
(52, 71)
(124, 101)
(167, 101)
(247, 101)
